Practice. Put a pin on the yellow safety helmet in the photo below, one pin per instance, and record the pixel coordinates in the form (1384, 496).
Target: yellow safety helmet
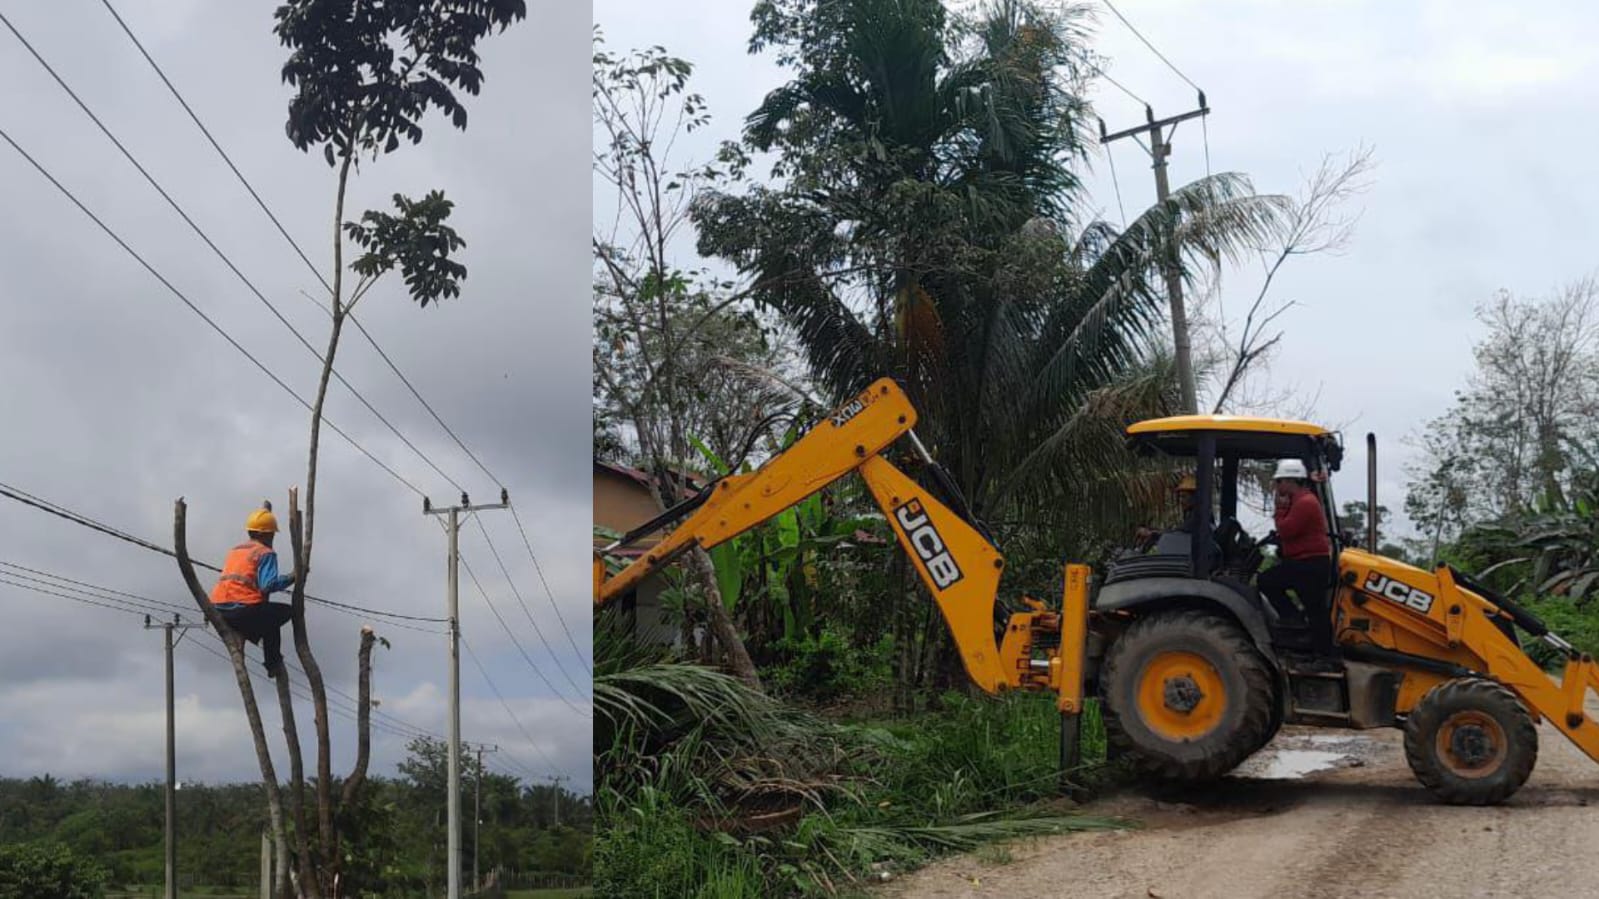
(1188, 483)
(262, 520)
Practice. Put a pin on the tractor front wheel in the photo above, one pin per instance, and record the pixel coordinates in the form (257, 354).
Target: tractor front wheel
(1471, 742)
(1186, 694)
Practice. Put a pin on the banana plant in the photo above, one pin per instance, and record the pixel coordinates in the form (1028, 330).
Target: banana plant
(1566, 542)
(778, 561)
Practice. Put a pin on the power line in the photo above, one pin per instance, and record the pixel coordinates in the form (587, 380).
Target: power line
(1152, 48)
(160, 607)
(60, 511)
(44, 577)
(129, 608)
(200, 232)
(284, 231)
(197, 311)
(525, 610)
(1100, 71)
(1116, 182)
(380, 721)
(507, 706)
(548, 593)
(518, 643)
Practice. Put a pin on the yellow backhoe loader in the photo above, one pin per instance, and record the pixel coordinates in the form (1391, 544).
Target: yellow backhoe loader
(1194, 671)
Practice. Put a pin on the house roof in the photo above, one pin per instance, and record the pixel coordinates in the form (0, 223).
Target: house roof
(692, 480)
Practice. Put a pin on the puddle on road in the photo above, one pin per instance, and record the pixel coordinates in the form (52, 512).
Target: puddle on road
(1292, 756)
(1287, 764)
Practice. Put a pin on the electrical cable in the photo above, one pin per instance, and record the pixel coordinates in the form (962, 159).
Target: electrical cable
(507, 706)
(197, 311)
(518, 643)
(204, 237)
(284, 231)
(548, 593)
(29, 499)
(159, 607)
(130, 610)
(1100, 71)
(525, 610)
(379, 721)
(161, 604)
(1116, 182)
(1152, 49)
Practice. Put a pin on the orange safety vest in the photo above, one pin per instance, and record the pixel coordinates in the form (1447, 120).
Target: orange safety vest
(238, 581)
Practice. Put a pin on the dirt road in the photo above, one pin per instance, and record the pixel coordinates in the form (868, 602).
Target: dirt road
(1362, 827)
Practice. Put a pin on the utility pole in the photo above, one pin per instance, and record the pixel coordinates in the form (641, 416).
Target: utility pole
(557, 780)
(176, 624)
(1159, 148)
(477, 813)
(453, 807)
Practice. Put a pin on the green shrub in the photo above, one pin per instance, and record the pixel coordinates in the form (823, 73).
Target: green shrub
(48, 871)
(1578, 624)
(826, 667)
(650, 849)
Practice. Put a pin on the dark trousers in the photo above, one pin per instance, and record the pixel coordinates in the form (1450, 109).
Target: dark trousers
(1309, 579)
(260, 623)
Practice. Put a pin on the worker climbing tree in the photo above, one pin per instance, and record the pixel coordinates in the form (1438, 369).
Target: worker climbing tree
(355, 96)
(249, 576)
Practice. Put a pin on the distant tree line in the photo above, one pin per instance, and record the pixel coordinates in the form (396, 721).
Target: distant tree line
(397, 832)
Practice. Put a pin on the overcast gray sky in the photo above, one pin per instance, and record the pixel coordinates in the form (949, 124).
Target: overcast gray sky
(1478, 115)
(117, 399)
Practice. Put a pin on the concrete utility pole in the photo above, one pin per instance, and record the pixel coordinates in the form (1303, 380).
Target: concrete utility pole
(557, 781)
(477, 813)
(176, 624)
(453, 807)
(1159, 148)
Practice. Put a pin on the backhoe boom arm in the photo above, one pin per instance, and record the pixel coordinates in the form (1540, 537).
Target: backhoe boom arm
(960, 567)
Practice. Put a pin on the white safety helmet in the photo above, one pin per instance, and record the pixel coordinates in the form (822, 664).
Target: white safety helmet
(1290, 468)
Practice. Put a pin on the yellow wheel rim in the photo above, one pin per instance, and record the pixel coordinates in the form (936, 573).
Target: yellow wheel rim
(1180, 696)
(1471, 744)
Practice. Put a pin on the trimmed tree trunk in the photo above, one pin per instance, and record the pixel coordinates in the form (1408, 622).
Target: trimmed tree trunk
(721, 623)
(317, 870)
(235, 645)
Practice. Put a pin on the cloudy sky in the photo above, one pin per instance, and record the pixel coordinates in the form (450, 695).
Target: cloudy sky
(1477, 115)
(117, 399)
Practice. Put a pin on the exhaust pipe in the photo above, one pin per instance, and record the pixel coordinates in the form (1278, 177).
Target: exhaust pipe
(1371, 492)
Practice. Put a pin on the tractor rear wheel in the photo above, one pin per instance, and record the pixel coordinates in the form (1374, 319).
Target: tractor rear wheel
(1471, 742)
(1186, 695)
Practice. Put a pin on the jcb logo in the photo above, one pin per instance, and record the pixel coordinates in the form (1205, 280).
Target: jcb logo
(849, 410)
(929, 546)
(1401, 593)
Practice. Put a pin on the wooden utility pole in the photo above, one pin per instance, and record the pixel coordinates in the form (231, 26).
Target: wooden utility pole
(453, 599)
(176, 624)
(1171, 263)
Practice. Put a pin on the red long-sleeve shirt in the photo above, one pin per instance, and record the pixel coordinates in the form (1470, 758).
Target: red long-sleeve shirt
(1302, 528)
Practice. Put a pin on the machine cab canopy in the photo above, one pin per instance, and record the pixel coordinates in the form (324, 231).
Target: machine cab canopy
(1239, 436)
(1226, 441)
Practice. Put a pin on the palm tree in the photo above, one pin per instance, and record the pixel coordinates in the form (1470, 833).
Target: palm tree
(926, 226)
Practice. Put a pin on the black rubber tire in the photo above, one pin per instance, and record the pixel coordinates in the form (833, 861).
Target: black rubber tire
(1246, 722)
(1486, 697)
